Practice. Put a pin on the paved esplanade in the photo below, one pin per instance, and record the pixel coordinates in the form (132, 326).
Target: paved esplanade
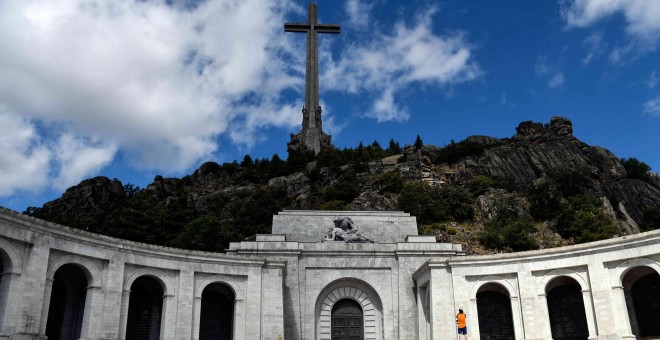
(312, 127)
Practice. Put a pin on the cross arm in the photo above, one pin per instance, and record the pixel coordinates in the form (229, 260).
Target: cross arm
(327, 28)
(296, 27)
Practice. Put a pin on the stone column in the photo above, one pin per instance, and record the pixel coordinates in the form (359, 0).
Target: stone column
(473, 320)
(92, 319)
(48, 288)
(123, 316)
(9, 286)
(185, 305)
(589, 311)
(197, 314)
(168, 318)
(517, 318)
(620, 311)
(544, 319)
(443, 319)
(112, 296)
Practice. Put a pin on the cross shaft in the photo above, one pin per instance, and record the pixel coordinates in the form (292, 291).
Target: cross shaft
(312, 127)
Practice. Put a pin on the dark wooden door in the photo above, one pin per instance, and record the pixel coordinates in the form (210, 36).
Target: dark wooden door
(347, 321)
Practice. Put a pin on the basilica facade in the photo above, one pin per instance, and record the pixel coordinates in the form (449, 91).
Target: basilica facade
(321, 275)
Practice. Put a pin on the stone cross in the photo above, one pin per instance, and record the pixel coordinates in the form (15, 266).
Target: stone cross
(311, 128)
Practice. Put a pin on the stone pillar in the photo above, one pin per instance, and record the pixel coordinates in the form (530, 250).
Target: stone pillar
(599, 280)
(197, 314)
(473, 320)
(33, 279)
(92, 318)
(545, 329)
(10, 288)
(443, 318)
(517, 318)
(46, 306)
(123, 316)
(272, 296)
(589, 311)
(112, 300)
(185, 305)
(251, 330)
(620, 311)
(168, 318)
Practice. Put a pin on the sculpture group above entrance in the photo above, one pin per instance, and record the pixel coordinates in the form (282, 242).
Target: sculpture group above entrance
(346, 230)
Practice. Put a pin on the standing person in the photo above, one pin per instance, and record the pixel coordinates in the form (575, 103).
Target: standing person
(462, 325)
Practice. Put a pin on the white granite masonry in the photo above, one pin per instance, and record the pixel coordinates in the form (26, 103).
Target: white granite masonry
(402, 286)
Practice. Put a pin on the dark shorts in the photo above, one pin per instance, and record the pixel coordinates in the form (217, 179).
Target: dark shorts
(462, 330)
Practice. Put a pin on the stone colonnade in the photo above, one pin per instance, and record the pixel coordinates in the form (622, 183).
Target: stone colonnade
(598, 270)
(32, 251)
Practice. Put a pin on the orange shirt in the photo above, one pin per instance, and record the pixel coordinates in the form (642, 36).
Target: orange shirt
(460, 320)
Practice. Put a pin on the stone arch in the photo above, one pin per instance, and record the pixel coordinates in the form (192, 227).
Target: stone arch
(157, 274)
(11, 261)
(12, 266)
(564, 291)
(68, 305)
(226, 279)
(638, 281)
(239, 303)
(509, 293)
(542, 288)
(492, 279)
(354, 289)
(89, 269)
(622, 269)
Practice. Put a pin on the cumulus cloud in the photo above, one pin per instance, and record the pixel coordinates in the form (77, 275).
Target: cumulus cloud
(159, 81)
(652, 106)
(23, 157)
(642, 19)
(556, 81)
(543, 71)
(388, 63)
(358, 12)
(652, 81)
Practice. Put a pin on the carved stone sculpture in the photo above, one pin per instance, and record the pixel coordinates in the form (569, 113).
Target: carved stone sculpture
(346, 230)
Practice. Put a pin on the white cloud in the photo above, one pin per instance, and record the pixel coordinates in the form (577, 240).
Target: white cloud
(23, 157)
(543, 70)
(389, 63)
(652, 106)
(653, 80)
(158, 81)
(77, 158)
(642, 19)
(556, 81)
(596, 47)
(358, 12)
(503, 99)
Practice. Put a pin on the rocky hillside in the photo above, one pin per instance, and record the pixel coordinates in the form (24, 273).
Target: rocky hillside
(540, 188)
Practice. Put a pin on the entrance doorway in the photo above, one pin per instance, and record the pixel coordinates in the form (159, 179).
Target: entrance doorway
(145, 309)
(642, 291)
(494, 311)
(67, 303)
(347, 320)
(217, 313)
(568, 320)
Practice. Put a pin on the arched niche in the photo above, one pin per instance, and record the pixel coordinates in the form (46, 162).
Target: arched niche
(360, 292)
(566, 311)
(641, 286)
(66, 306)
(495, 312)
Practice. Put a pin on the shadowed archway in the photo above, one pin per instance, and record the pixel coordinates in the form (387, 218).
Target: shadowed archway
(494, 312)
(217, 312)
(642, 292)
(568, 320)
(145, 309)
(67, 303)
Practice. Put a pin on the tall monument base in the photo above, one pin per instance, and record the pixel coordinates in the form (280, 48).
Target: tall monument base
(310, 141)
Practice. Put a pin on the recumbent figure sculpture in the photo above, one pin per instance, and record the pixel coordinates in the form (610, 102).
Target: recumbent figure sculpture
(346, 230)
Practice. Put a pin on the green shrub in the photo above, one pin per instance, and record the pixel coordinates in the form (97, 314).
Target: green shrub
(636, 169)
(455, 152)
(345, 191)
(508, 229)
(651, 219)
(545, 201)
(582, 221)
(389, 182)
(452, 231)
(433, 204)
(480, 184)
(205, 233)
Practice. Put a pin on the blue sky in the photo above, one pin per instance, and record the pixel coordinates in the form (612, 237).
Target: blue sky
(133, 89)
